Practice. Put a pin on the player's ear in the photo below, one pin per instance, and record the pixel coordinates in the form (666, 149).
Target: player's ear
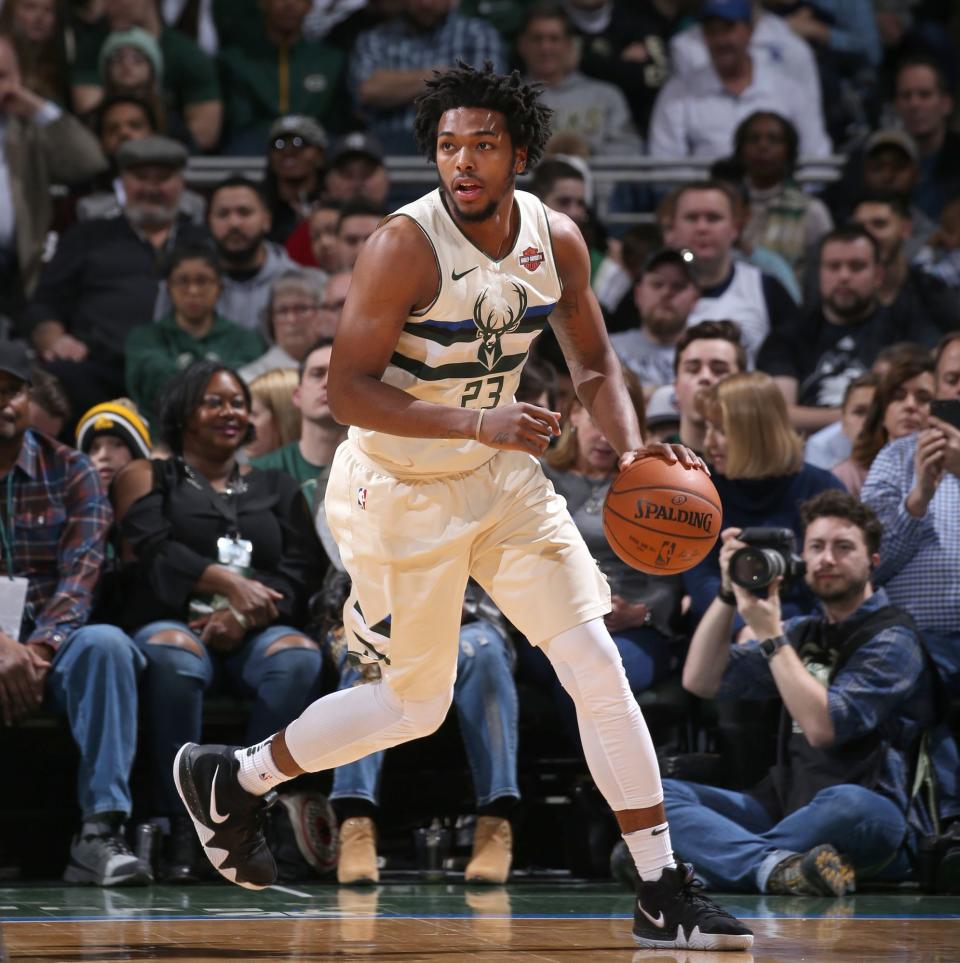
(521, 160)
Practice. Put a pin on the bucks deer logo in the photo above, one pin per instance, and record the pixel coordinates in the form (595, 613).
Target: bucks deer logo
(496, 315)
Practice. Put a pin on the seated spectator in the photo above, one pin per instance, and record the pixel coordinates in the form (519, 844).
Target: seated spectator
(783, 217)
(308, 458)
(838, 340)
(900, 407)
(924, 106)
(705, 223)
(663, 415)
(190, 84)
(41, 145)
(705, 353)
(111, 435)
(278, 72)
(696, 113)
(50, 411)
(274, 416)
(332, 302)
(772, 42)
(757, 463)
(856, 695)
(193, 330)
(131, 65)
(240, 223)
(104, 277)
(941, 256)
(296, 157)
(118, 119)
(664, 295)
(390, 63)
(357, 221)
(357, 171)
(831, 445)
(594, 109)
(292, 322)
(627, 46)
(919, 304)
(914, 487)
(485, 698)
(51, 654)
(223, 559)
(313, 241)
(39, 38)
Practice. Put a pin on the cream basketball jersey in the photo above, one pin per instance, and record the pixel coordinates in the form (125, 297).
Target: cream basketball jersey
(468, 347)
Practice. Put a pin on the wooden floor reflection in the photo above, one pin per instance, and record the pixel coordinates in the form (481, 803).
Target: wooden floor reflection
(477, 940)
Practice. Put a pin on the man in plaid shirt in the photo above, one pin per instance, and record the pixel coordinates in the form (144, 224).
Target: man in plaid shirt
(54, 520)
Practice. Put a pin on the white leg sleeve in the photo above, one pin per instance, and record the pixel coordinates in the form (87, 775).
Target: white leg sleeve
(350, 724)
(616, 742)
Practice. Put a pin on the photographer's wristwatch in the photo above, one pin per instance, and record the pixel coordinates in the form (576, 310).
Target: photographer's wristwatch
(770, 647)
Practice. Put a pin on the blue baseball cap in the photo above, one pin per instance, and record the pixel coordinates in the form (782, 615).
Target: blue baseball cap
(733, 11)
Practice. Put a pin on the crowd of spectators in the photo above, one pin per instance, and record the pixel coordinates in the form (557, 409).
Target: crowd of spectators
(166, 439)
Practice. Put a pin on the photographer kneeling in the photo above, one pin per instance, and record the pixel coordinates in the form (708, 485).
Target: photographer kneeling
(857, 694)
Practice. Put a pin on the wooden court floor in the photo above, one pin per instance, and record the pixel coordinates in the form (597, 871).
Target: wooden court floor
(410, 923)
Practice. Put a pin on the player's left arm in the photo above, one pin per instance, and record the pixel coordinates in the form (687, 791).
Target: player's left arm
(594, 367)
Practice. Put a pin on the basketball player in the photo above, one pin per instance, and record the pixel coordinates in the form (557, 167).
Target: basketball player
(439, 480)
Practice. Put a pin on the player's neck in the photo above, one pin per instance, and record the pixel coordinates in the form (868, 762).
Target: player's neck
(494, 235)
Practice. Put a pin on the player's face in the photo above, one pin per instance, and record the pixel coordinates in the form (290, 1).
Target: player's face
(909, 407)
(855, 411)
(948, 372)
(476, 161)
(838, 562)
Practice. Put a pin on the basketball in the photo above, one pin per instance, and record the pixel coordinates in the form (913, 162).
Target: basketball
(662, 519)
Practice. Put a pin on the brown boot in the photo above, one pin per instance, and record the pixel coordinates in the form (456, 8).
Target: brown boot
(492, 851)
(357, 863)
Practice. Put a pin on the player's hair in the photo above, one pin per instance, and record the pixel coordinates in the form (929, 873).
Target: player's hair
(528, 120)
(712, 331)
(897, 202)
(182, 396)
(835, 503)
(869, 379)
(761, 442)
(322, 342)
(874, 435)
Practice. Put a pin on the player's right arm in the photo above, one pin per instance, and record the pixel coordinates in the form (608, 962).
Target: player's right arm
(395, 275)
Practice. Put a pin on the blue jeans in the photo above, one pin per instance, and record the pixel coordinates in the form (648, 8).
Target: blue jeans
(944, 647)
(93, 682)
(734, 843)
(176, 679)
(486, 701)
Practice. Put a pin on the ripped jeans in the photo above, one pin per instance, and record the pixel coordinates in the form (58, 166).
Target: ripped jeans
(173, 688)
(486, 700)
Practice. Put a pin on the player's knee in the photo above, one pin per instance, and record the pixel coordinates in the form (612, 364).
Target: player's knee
(176, 639)
(294, 640)
(425, 717)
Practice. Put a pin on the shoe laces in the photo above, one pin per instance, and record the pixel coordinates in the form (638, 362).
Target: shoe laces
(114, 844)
(692, 892)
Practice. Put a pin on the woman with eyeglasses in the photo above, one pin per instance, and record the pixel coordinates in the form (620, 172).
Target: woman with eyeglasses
(156, 352)
(220, 561)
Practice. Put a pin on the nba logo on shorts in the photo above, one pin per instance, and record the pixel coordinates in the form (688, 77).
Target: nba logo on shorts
(362, 497)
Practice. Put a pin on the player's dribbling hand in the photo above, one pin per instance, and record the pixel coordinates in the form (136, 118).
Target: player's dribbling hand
(669, 453)
(519, 427)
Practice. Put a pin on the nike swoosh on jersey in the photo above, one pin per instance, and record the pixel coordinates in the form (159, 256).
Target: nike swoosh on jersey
(659, 922)
(463, 274)
(214, 815)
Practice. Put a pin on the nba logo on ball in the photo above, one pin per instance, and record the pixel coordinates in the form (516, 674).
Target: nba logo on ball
(662, 518)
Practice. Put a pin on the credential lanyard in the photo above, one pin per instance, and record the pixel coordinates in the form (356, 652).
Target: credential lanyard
(6, 529)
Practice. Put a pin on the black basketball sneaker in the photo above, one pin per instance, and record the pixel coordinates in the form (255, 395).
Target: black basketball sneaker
(672, 912)
(227, 818)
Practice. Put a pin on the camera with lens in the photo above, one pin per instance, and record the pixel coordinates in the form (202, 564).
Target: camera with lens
(770, 553)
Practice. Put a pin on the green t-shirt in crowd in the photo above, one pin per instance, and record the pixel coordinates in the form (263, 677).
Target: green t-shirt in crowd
(312, 478)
